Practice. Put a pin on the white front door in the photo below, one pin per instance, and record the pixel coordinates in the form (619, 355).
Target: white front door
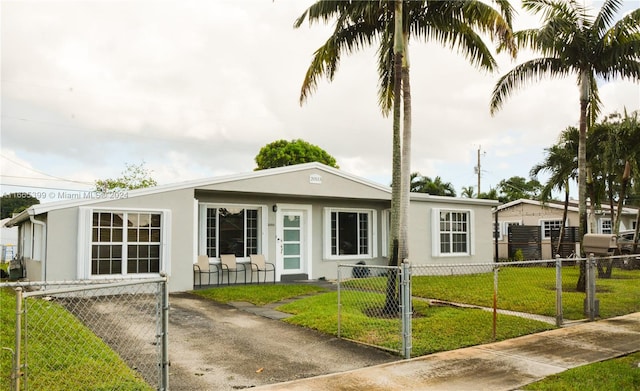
(292, 251)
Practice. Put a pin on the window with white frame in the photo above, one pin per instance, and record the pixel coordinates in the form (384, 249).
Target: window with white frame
(126, 242)
(230, 230)
(605, 226)
(349, 233)
(452, 232)
(505, 228)
(549, 225)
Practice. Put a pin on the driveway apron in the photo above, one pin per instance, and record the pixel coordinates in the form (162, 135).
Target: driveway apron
(214, 346)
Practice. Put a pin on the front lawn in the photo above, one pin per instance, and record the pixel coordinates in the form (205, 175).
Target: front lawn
(620, 374)
(434, 328)
(72, 358)
(258, 294)
(532, 290)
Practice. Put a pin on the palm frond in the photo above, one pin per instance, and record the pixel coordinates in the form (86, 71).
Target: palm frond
(523, 75)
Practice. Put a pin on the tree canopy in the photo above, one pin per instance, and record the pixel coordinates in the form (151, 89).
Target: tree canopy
(135, 176)
(518, 187)
(15, 203)
(424, 184)
(283, 153)
(573, 42)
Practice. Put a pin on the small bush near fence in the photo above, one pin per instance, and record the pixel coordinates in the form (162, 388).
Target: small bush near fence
(106, 340)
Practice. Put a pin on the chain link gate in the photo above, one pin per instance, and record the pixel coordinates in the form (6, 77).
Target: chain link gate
(376, 301)
(90, 335)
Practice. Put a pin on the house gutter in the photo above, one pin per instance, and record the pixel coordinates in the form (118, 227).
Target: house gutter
(44, 245)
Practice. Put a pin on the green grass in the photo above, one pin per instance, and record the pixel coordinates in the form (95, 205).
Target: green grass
(258, 294)
(434, 328)
(620, 374)
(56, 361)
(531, 290)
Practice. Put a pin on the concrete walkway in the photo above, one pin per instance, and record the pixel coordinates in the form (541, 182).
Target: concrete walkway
(505, 365)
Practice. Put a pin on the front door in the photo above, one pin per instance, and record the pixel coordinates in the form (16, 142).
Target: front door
(292, 241)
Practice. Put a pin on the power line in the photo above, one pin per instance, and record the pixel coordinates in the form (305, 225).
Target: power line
(42, 173)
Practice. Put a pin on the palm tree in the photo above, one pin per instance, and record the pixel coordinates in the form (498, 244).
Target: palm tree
(467, 192)
(424, 184)
(572, 42)
(562, 163)
(391, 24)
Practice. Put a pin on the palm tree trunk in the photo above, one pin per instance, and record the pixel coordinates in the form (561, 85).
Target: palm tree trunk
(582, 166)
(397, 183)
(565, 212)
(396, 180)
(406, 154)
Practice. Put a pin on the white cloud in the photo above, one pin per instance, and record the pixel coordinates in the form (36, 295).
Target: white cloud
(195, 88)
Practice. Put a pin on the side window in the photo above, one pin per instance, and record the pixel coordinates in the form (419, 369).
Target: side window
(548, 225)
(451, 232)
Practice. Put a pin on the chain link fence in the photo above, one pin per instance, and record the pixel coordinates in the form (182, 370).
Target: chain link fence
(480, 302)
(372, 306)
(85, 335)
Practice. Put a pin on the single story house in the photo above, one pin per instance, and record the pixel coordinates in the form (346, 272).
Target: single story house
(548, 216)
(306, 219)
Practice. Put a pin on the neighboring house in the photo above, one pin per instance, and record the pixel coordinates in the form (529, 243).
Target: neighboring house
(306, 219)
(8, 241)
(548, 216)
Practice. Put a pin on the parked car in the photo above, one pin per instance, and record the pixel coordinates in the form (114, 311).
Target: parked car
(625, 241)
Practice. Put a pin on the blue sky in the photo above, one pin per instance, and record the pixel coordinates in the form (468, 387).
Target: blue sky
(195, 88)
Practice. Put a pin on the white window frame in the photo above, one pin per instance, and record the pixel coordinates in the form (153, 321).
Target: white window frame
(372, 236)
(504, 227)
(543, 230)
(601, 225)
(435, 232)
(386, 228)
(85, 242)
(263, 247)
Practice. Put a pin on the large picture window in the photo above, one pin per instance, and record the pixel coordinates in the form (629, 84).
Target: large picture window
(349, 233)
(125, 242)
(452, 232)
(230, 230)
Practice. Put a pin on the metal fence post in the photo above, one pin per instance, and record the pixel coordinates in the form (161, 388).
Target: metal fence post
(17, 373)
(339, 301)
(559, 313)
(591, 287)
(495, 302)
(164, 366)
(405, 286)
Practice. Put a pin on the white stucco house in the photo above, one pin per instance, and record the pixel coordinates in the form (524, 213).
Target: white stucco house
(306, 219)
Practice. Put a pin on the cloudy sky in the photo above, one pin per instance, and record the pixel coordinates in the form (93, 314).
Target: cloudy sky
(195, 88)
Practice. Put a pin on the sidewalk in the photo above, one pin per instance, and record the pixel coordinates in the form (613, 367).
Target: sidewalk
(505, 365)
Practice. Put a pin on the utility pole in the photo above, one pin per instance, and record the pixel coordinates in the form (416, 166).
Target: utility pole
(478, 170)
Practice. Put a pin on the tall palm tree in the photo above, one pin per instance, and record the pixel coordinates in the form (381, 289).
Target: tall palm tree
(359, 24)
(561, 162)
(572, 42)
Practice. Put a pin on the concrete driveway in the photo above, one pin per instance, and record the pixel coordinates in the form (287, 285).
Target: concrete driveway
(219, 347)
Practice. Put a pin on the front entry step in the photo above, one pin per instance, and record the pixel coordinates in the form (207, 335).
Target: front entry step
(294, 277)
